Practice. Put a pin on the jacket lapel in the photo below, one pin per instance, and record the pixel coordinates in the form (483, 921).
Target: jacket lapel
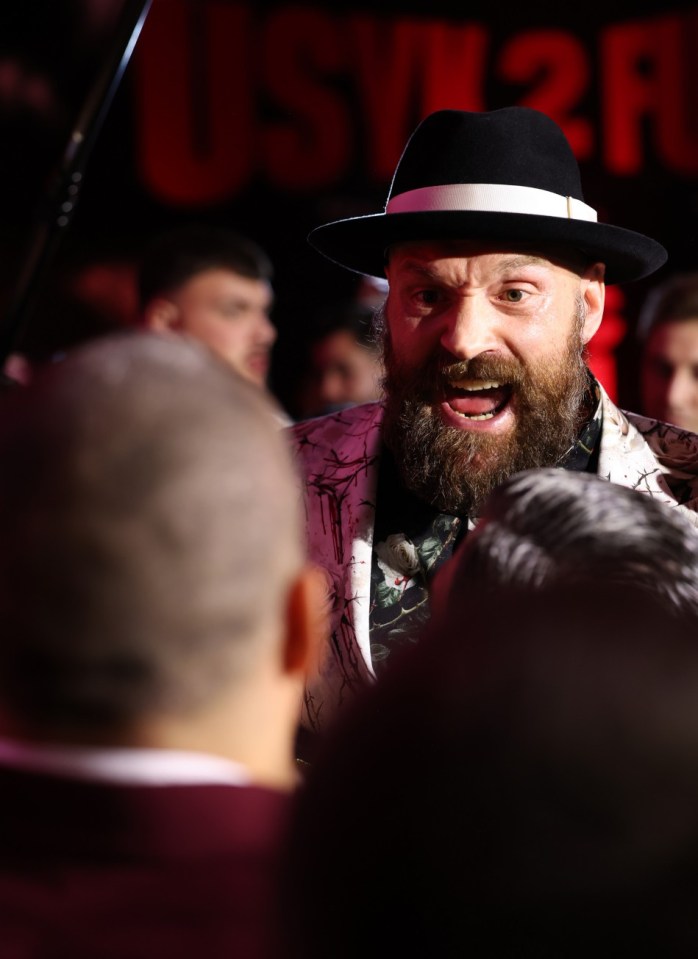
(340, 464)
(650, 457)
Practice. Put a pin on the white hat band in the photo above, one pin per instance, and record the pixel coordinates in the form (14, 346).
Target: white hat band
(490, 198)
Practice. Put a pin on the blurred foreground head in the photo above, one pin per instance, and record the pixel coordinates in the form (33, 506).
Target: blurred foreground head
(525, 780)
(524, 783)
(152, 571)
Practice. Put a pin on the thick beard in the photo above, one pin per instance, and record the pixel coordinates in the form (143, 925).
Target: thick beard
(455, 470)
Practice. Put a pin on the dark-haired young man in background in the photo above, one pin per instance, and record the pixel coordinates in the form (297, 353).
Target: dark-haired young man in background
(214, 285)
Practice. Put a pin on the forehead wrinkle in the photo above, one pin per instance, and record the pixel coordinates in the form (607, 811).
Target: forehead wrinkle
(511, 263)
(516, 262)
(415, 266)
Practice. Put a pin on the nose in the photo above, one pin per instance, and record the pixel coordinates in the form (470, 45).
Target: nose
(331, 388)
(682, 391)
(265, 331)
(469, 328)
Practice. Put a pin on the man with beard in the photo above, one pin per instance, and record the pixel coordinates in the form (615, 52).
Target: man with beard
(496, 269)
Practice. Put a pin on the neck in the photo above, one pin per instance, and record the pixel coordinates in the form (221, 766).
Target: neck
(254, 726)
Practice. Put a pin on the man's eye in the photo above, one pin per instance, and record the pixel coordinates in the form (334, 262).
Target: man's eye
(514, 296)
(427, 297)
(661, 369)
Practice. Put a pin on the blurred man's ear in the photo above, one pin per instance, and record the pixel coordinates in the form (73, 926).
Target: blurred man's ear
(161, 315)
(594, 294)
(307, 620)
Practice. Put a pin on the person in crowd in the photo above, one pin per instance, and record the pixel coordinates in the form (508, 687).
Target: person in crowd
(496, 269)
(524, 781)
(214, 285)
(158, 615)
(668, 333)
(345, 365)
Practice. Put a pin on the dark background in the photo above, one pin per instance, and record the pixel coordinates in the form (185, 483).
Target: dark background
(51, 51)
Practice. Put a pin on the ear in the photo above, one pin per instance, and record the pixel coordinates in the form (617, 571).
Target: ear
(307, 620)
(161, 315)
(593, 290)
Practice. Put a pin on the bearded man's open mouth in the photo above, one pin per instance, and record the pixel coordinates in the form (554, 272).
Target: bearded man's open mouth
(478, 400)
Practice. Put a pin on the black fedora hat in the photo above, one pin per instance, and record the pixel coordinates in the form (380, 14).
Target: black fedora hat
(507, 175)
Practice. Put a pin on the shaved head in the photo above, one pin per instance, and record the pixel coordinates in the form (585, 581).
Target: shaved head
(150, 524)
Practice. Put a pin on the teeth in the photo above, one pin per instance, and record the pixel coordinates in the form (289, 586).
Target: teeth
(476, 386)
(480, 416)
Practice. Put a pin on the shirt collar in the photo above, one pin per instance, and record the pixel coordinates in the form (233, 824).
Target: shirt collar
(124, 766)
(583, 455)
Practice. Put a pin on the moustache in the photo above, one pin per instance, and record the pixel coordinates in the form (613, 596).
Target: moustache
(441, 373)
(504, 370)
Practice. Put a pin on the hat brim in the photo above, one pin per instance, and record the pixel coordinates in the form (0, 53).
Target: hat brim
(360, 243)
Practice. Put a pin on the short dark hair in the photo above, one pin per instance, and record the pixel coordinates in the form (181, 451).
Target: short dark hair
(346, 316)
(174, 257)
(674, 300)
(149, 516)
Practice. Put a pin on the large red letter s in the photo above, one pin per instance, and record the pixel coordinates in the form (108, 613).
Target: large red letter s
(309, 145)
